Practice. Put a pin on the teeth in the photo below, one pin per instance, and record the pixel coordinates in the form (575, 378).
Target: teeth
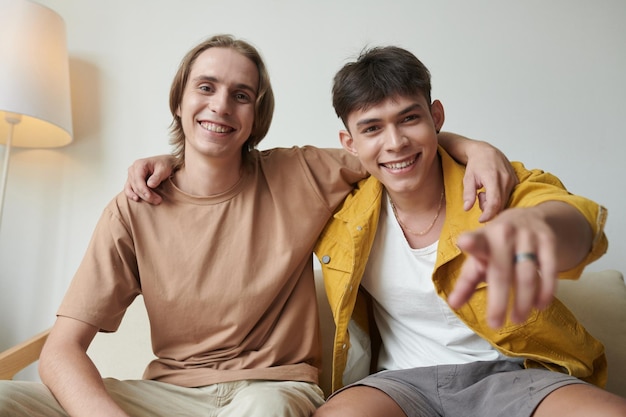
(213, 127)
(399, 165)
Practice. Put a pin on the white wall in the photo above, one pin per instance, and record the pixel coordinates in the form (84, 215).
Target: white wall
(543, 80)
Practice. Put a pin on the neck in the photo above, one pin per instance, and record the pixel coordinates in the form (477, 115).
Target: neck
(424, 196)
(207, 179)
(421, 200)
(419, 213)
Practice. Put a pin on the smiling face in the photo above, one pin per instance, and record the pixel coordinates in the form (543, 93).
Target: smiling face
(218, 105)
(396, 141)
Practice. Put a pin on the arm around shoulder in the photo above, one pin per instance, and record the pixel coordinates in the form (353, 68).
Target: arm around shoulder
(486, 167)
(145, 174)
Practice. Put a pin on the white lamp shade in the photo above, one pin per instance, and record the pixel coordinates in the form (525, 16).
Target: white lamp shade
(34, 75)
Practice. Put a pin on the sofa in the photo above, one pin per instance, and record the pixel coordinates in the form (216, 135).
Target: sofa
(598, 299)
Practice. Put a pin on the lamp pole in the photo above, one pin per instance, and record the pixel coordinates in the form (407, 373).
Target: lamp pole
(12, 119)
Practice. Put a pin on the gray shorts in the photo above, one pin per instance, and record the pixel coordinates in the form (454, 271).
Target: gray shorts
(485, 389)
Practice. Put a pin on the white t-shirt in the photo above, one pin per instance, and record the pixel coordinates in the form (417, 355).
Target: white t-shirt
(417, 327)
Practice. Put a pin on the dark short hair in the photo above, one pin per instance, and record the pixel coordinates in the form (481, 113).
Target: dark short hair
(263, 108)
(377, 74)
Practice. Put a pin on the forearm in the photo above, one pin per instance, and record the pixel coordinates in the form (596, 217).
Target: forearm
(70, 374)
(456, 145)
(573, 233)
(76, 384)
(489, 176)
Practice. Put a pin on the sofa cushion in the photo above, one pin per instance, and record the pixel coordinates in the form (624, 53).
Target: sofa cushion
(598, 300)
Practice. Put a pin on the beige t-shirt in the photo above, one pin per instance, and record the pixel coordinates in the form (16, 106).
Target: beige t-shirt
(227, 279)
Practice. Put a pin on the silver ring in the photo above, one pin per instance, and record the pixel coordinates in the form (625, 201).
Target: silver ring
(525, 256)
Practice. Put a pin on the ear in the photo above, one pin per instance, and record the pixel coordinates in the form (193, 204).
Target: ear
(438, 115)
(178, 111)
(347, 142)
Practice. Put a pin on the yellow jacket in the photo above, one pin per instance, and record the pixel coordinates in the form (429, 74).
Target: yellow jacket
(551, 338)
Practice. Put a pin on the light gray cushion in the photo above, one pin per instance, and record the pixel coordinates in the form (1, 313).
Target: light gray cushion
(598, 300)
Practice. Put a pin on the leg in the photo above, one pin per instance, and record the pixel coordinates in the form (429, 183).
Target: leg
(404, 393)
(360, 401)
(272, 399)
(581, 400)
(138, 398)
(498, 389)
(145, 398)
(28, 399)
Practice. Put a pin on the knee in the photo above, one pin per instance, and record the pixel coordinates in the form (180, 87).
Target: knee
(329, 410)
(332, 409)
(338, 408)
(268, 398)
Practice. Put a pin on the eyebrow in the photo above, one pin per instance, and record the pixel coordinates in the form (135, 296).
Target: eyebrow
(408, 109)
(240, 86)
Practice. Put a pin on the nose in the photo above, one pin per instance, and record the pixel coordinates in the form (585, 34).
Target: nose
(220, 102)
(396, 140)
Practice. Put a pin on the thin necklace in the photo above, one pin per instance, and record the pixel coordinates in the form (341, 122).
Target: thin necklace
(413, 232)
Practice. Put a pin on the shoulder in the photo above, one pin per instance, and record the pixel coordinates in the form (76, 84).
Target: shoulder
(307, 158)
(122, 209)
(535, 175)
(307, 153)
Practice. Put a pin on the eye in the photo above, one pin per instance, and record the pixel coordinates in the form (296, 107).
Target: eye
(243, 97)
(207, 88)
(370, 129)
(411, 118)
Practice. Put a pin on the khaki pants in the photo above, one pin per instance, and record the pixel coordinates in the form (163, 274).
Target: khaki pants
(141, 398)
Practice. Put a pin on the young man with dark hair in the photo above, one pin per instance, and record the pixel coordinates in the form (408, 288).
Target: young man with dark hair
(464, 312)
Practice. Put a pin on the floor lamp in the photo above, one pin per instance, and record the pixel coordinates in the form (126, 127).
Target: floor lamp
(35, 108)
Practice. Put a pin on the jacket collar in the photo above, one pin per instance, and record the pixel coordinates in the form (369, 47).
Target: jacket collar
(366, 199)
(363, 201)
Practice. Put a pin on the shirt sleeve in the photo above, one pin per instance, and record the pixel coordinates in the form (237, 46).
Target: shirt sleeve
(334, 173)
(537, 186)
(106, 281)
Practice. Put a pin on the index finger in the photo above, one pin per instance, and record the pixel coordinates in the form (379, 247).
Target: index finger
(472, 273)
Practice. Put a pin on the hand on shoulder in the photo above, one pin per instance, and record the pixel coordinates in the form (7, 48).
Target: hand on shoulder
(146, 174)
